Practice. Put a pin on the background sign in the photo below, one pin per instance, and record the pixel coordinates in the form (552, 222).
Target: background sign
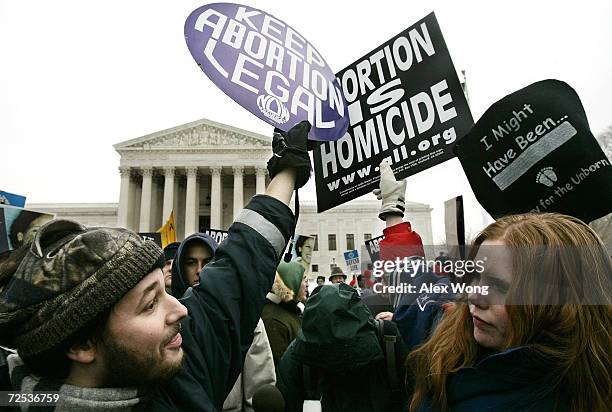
(533, 151)
(455, 226)
(405, 103)
(217, 234)
(19, 226)
(373, 247)
(12, 199)
(267, 67)
(351, 257)
(154, 236)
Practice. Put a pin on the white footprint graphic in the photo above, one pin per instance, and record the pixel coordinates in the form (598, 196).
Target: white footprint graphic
(547, 177)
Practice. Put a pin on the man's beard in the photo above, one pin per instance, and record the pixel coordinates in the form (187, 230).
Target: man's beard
(131, 367)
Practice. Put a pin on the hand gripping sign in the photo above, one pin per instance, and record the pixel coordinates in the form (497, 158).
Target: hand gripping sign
(267, 67)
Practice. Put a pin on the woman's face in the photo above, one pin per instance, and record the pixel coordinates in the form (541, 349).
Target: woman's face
(306, 250)
(488, 312)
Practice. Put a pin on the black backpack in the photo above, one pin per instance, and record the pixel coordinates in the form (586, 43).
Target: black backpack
(389, 338)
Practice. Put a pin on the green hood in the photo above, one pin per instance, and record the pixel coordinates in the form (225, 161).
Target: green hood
(338, 331)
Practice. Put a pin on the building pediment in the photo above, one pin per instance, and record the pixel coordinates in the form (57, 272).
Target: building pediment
(203, 134)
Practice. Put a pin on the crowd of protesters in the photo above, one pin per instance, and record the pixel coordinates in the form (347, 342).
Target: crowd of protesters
(111, 322)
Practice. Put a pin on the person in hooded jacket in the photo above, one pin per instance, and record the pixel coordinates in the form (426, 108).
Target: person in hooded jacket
(193, 254)
(340, 357)
(281, 313)
(169, 254)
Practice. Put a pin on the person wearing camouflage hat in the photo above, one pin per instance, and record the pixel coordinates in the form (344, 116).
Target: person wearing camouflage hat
(87, 312)
(281, 315)
(66, 303)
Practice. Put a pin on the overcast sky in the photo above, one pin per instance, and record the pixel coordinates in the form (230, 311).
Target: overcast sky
(77, 77)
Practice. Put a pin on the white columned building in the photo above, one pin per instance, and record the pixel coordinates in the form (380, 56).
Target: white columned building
(169, 202)
(218, 166)
(205, 172)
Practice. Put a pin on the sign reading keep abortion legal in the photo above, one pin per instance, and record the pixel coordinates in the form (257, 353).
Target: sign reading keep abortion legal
(267, 67)
(405, 103)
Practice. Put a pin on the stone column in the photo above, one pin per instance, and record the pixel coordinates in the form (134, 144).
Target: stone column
(215, 197)
(260, 180)
(168, 194)
(191, 224)
(145, 200)
(238, 190)
(124, 197)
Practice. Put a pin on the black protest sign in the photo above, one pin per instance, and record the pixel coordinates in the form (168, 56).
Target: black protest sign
(373, 247)
(217, 234)
(454, 221)
(405, 103)
(533, 151)
(154, 236)
(454, 224)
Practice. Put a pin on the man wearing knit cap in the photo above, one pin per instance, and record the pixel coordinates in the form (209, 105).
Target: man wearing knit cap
(281, 315)
(87, 311)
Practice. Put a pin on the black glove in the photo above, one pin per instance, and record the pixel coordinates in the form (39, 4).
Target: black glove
(290, 150)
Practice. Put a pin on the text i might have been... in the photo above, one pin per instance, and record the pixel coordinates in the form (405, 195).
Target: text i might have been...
(405, 103)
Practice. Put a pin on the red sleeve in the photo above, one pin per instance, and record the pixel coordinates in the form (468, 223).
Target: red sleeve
(400, 241)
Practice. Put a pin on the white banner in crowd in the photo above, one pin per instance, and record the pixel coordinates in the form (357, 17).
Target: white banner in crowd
(405, 103)
(351, 257)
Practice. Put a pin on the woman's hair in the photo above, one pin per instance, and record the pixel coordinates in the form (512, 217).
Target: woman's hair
(569, 323)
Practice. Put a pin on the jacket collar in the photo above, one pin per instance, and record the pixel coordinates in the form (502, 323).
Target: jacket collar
(516, 369)
(273, 298)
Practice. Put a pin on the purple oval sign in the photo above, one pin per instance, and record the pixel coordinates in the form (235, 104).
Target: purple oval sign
(267, 67)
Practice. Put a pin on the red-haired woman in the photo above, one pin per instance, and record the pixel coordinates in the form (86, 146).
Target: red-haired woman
(538, 339)
(533, 333)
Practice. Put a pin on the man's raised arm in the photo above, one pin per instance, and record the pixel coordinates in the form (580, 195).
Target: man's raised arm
(225, 307)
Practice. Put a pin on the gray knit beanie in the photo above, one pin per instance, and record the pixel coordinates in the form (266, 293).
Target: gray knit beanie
(67, 276)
